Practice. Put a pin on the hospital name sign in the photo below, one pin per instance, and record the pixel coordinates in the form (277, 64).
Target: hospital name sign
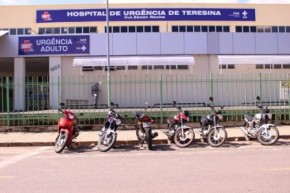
(181, 14)
(51, 45)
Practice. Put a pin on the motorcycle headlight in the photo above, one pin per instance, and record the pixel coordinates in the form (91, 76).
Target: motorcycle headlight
(187, 118)
(71, 116)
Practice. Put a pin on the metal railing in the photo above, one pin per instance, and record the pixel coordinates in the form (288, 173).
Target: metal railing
(34, 102)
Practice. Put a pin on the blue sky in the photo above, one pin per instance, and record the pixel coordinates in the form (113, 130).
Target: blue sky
(39, 2)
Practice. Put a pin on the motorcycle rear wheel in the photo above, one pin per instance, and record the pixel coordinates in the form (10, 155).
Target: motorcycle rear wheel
(185, 139)
(61, 142)
(268, 137)
(106, 141)
(217, 137)
(148, 138)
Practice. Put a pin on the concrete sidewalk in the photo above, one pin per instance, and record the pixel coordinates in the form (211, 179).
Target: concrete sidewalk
(90, 137)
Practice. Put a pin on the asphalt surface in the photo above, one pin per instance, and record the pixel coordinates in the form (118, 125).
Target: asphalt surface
(124, 137)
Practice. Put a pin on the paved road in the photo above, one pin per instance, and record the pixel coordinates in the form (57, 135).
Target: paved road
(235, 167)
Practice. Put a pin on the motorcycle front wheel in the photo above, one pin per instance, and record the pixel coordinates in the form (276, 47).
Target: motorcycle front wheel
(185, 138)
(268, 136)
(61, 142)
(217, 137)
(106, 141)
(140, 133)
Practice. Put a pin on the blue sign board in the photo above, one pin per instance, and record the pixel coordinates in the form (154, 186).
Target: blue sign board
(166, 14)
(52, 45)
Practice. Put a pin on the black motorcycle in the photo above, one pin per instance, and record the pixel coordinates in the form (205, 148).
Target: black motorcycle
(211, 130)
(108, 135)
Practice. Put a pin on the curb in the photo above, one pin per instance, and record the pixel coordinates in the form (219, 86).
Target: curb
(127, 142)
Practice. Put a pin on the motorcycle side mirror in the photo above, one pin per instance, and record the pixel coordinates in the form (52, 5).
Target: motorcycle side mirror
(211, 98)
(81, 114)
(258, 98)
(112, 104)
(62, 104)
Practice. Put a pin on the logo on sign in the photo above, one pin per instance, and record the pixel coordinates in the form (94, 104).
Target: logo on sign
(245, 14)
(26, 46)
(46, 16)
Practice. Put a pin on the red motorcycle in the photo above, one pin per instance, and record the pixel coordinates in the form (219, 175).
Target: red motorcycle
(67, 129)
(179, 133)
(144, 129)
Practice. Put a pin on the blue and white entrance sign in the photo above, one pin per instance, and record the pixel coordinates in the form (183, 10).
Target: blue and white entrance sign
(52, 45)
(152, 14)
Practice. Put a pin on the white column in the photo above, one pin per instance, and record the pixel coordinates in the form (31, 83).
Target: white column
(54, 81)
(19, 84)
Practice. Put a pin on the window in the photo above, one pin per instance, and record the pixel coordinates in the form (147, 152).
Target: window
(197, 28)
(189, 28)
(124, 29)
(132, 67)
(253, 29)
(71, 30)
(174, 28)
(219, 28)
(132, 29)
(147, 29)
(140, 29)
(79, 30)
(155, 28)
(204, 28)
(86, 30)
(226, 28)
(116, 29)
(246, 29)
(259, 66)
(93, 29)
(120, 68)
(12, 31)
(182, 67)
(158, 67)
(211, 28)
(227, 66)
(268, 66)
(182, 29)
(56, 30)
(277, 66)
(20, 31)
(239, 29)
(286, 66)
(281, 29)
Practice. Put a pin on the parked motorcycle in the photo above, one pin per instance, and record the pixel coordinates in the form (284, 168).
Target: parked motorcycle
(68, 129)
(177, 131)
(144, 130)
(258, 126)
(108, 135)
(211, 130)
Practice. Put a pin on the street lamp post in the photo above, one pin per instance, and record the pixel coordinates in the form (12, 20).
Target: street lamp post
(108, 54)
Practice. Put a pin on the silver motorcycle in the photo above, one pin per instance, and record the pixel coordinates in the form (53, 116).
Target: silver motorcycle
(258, 126)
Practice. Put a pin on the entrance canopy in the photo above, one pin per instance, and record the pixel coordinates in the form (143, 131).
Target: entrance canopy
(3, 32)
(254, 59)
(134, 60)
